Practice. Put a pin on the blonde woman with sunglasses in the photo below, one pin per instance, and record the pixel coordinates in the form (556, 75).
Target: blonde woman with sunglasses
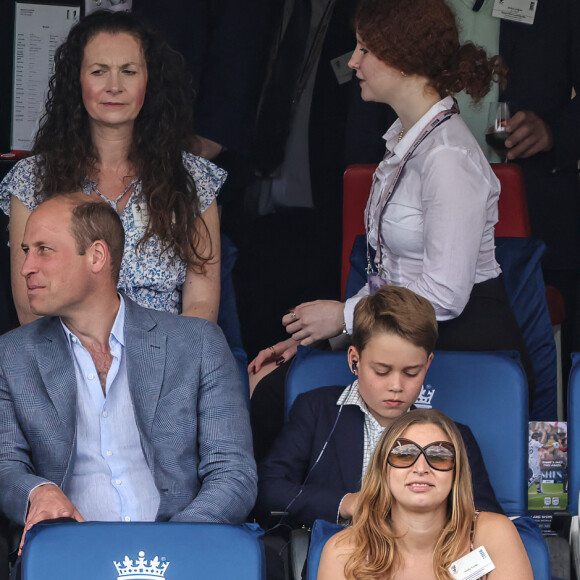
(415, 517)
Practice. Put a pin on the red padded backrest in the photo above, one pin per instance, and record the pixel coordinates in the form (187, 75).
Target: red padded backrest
(356, 188)
(513, 219)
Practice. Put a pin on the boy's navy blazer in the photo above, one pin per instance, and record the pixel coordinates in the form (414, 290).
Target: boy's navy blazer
(282, 476)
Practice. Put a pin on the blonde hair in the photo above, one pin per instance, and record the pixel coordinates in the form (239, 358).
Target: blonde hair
(395, 310)
(372, 537)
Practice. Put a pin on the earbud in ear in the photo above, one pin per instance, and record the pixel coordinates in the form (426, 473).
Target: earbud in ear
(354, 365)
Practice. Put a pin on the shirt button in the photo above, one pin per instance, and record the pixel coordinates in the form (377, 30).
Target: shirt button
(90, 376)
(109, 453)
(127, 519)
(105, 414)
(74, 339)
(118, 481)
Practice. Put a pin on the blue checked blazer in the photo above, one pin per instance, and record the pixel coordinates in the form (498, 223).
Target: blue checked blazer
(190, 412)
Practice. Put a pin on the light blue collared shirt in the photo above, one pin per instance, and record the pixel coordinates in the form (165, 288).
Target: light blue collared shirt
(110, 479)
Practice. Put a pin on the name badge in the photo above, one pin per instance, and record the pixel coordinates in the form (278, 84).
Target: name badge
(340, 67)
(474, 565)
(375, 282)
(516, 10)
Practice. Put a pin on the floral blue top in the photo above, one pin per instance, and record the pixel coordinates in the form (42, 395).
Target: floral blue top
(152, 278)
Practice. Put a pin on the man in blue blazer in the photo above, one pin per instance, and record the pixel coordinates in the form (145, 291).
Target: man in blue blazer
(315, 467)
(109, 411)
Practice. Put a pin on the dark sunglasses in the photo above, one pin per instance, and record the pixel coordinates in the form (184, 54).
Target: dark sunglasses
(440, 455)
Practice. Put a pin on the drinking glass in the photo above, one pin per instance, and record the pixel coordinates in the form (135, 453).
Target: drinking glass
(496, 134)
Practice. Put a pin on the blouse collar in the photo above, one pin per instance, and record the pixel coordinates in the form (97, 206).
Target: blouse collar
(391, 137)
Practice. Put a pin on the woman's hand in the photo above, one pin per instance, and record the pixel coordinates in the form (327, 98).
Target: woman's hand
(279, 353)
(269, 359)
(307, 323)
(312, 321)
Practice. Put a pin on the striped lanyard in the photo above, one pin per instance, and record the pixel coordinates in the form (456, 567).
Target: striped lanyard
(376, 276)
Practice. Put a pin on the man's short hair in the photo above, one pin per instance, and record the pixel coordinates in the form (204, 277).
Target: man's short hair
(395, 310)
(92, 221)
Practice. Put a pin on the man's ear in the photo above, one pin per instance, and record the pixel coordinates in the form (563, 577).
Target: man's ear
(99, 255)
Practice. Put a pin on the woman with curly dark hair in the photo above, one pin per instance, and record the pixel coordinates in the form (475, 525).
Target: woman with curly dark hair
(117, 124)
(415, 517)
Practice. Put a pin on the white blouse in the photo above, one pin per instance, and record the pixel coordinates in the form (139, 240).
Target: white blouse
(438, 226)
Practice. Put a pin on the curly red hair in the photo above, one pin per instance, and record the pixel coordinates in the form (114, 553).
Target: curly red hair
(420, 37)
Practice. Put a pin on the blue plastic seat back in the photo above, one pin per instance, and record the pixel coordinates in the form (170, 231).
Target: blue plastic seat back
(574, 435)
(313, 368)
(486, 391)
(322, 531)
(529, 532)
(102, 550)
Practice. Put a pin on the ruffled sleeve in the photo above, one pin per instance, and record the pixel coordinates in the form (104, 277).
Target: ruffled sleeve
(208, 178)
(22, 183)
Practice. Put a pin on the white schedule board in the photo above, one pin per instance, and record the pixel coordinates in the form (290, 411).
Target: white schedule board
(38, 31)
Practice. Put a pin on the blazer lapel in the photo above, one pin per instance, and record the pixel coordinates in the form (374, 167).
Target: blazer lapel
(350, 443)
(56, 367)
(146, 355)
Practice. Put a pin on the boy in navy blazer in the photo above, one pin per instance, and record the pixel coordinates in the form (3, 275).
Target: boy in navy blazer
(315, 467)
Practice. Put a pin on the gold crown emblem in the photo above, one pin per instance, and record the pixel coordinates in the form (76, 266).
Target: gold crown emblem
(141, 569)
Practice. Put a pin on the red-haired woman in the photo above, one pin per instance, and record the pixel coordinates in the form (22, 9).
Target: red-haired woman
(433, 204)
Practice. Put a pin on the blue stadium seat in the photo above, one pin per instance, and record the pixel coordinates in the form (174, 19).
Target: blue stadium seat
(532, 539)
(312, 368)
(170, 551)
(488, 392)
(482, 390)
